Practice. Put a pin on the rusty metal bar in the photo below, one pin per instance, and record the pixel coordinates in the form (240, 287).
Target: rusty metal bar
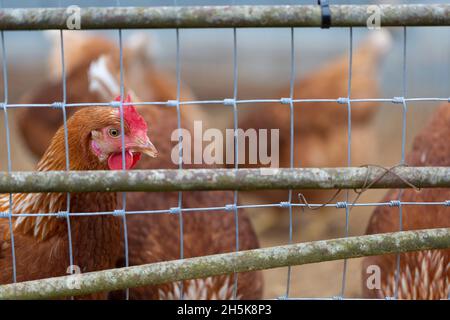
(224, 179)
(243, 261)
(221, 16)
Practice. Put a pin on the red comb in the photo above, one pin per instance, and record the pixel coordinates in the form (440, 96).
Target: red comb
(126, 100)
(131, 116)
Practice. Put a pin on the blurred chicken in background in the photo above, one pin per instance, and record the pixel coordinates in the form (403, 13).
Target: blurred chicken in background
(321, 129)
(37, 125)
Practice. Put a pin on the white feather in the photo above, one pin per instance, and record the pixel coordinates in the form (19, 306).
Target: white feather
(101, 80)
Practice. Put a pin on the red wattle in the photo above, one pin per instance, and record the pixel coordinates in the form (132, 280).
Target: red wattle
(115, 160)
(136, 157)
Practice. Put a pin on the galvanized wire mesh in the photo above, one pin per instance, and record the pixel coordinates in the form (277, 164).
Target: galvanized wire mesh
(234, 102)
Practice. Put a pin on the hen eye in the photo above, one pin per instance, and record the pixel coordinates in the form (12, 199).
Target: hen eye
(114, 132)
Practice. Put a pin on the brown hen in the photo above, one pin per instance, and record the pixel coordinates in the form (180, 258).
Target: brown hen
(423, 274)
(41, 243)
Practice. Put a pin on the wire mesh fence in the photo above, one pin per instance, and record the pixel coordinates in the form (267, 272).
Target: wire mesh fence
(236, 179)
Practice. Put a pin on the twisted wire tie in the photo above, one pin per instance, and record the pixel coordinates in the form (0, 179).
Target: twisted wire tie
(172, 103)
(118, 213)
(342, 100)
(175, 210)
(398, 100)
(62, 214)
(229, 102)
(285, 204)
(342, 205)
(394, 203)
(230, 207)
(115, 104)
(286, 100)
(57, 105)
(5, 214)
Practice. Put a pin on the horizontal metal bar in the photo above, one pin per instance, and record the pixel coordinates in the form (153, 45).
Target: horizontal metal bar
(223, 179)
(220, 264)
(223, 16)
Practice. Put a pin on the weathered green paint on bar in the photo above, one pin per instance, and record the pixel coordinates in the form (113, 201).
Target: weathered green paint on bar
(243, 261)
(223, 179)
(223, 16)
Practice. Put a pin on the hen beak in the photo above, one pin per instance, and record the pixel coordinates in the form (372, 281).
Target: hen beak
(146, 147)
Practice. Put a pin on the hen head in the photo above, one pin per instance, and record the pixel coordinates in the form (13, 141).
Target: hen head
(106, 140)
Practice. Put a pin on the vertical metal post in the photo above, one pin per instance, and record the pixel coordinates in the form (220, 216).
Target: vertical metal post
(66, 150)
(123, 211)
(8, 148)
(403, 155)
(236, 151)
(180, 155)
(349, 150)
(291, 147)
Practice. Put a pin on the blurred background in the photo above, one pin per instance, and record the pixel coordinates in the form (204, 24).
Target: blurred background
(264, 72)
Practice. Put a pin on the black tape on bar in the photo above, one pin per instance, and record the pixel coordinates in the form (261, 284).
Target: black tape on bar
(326, 13)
